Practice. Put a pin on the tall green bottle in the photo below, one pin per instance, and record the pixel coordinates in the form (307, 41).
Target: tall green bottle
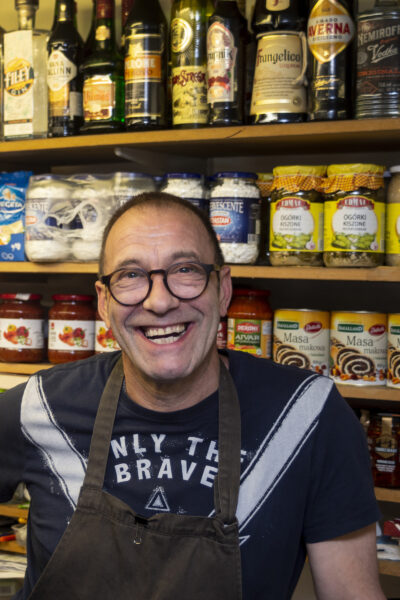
(103, 76)
(189, 63)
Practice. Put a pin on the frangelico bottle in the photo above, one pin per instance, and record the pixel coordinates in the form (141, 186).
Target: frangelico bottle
(146, 45)
(278, 14)
(189, 63)
(226, 45)
(330, 31)
(64, 79)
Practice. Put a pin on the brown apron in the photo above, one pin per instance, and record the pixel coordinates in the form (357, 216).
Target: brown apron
(108, 552)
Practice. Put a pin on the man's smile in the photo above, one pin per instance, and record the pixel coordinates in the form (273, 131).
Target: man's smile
(165, 335)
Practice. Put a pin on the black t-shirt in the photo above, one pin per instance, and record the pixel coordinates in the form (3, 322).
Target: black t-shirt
(305, 466)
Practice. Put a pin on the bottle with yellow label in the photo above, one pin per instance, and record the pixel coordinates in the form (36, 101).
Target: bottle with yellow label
(189, 63)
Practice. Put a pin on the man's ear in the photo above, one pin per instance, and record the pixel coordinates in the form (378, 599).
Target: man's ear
(225, 290)
(102, 305)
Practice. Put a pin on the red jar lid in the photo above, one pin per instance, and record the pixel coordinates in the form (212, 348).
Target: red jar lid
(25, 297)
(249, 292)
(72, 298)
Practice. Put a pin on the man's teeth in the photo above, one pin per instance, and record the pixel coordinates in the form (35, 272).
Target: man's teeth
(164, 335)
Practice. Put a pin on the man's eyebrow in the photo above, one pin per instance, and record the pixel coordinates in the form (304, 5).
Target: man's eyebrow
(175, 256)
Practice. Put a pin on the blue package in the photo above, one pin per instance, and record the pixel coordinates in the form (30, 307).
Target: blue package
(13, 188)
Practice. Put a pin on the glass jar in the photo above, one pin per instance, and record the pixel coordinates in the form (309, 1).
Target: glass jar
(250, 322)
(104, 337)
(264, 184)
(235, 208)
(296, 219)
(71, 328)
(21, 328)
(128, 185)
(354, 216)
(393, 219)
(383, 442)
(186, 185)
(393, 356)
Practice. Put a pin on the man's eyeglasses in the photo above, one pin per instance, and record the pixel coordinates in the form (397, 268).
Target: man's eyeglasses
(186, 281)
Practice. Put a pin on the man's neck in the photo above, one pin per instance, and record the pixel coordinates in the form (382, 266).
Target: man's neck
(169, 396)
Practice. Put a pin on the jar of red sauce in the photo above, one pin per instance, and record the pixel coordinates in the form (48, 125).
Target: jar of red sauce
(71, 328)
(104, 337)
(21, 328)
(384, 447)
(250, 322)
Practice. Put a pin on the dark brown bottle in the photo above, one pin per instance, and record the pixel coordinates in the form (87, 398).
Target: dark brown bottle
(278, 14)
(330, 32)
(226, 44)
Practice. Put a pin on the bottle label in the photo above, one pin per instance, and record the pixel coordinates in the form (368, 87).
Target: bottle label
(189, 95)
(103, 33)
(235, 220)
(60, 72)
(330, 30)
(393, 356)
(98, 98)
(143, 74)
(104, 338)
(278, 85)
(250, 335)
(181, 35)
(296, 224)
(354, 223)
(275, 5)
(71, 335)
(20, 334)
(393, 228)
(221, 64)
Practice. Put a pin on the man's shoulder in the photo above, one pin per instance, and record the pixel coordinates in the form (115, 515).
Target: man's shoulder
(86, 373)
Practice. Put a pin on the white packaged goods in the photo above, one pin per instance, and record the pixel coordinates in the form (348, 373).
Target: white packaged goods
(12, 215)
(186, 185)
(128, 185)
(235, 215)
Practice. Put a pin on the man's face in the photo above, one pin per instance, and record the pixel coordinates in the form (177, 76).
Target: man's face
(164, 338)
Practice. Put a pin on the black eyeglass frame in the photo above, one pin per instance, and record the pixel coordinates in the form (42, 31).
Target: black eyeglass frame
(106, 279)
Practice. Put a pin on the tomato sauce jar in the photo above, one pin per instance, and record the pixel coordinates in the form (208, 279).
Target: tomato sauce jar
(21, 328)
(250, 322)
(71, 328)
(384, 442)
(104, 337)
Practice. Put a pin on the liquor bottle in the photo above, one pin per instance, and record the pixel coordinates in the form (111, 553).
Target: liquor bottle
(146, 57)
(279, 92)
(88, 46)
(25, 76)
(64, 79)
(126, 7)
(330, 31)
(103, 76)
(189, 63)
(226, 43)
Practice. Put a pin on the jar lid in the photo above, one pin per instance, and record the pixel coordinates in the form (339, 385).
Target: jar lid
(355, 169)
(24, 297)
(131, 175)
(250, 292)
(395, 169)
(235, 174)
(72, 297)
(183, 176)
(316, 170)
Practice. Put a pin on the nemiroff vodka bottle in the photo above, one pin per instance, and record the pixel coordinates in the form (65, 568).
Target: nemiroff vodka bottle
(25, 76)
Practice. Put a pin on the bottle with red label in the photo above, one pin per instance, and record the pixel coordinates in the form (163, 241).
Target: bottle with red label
(330, 32)
(250, 322)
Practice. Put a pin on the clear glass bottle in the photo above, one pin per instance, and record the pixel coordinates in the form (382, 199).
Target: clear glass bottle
(25, 76)
(64, 79)
(103, 76)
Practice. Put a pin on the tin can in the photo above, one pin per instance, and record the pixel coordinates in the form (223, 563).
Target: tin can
(383, 442)
(301, 339)
(358, 348)
(378, 63)
(393, 357)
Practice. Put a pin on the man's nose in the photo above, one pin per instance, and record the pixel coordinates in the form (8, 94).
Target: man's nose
(159, 300)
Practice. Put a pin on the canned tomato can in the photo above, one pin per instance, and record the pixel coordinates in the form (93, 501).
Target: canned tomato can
(301, 339)
(358, 348)
(393, 374)
(383, 442)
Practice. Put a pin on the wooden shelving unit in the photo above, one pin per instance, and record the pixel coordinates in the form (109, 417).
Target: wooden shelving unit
(389, 567)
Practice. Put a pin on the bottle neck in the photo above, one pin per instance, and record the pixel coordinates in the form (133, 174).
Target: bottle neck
(65, 11)
(104, 27)
(26, 17)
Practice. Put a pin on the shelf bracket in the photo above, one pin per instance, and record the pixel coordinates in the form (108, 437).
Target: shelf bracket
(160, 162)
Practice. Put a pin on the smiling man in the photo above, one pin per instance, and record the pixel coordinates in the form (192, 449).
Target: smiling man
(210, 475)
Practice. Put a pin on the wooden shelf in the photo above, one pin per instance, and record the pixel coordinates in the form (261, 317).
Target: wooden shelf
(389, 567)
(371, 393)
(13, 510)
(387, 494)
(23, 368)
(12, 547)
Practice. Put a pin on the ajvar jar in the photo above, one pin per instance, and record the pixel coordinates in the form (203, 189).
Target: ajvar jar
(384, 442)
(104, 337)
(21, 328)
(71, 328)
(250, 322)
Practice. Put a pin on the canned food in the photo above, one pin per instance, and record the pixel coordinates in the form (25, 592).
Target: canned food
(21, 328)
(383, 442)
(104, 337)
(393, 219)
(71, 328)
(393, 374)
(358, 348)
(250, 322)
(301, 339)
(187, 185)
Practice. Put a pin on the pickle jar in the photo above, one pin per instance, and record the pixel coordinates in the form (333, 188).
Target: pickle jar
(21, 328)
(354, 216)
(383, 442)
(296, 219)
(393, 219)
(104, 337)
(250, 322)
(71, 328)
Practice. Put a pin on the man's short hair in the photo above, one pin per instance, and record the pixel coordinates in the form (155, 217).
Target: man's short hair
(161, 200)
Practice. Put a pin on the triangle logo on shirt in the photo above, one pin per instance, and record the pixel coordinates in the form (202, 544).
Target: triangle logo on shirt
(158, 501)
